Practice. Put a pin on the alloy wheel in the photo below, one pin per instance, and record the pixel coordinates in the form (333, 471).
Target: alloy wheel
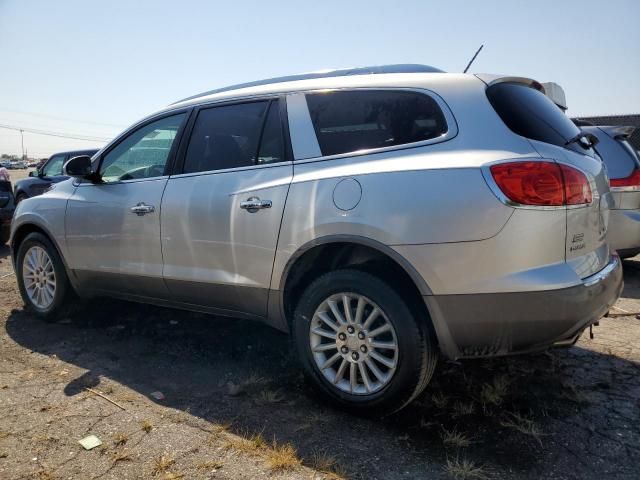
(353, 343)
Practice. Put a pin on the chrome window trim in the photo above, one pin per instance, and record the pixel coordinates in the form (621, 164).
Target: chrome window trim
(493, 186)
(87, 183)
(301, 123)
(231, 170)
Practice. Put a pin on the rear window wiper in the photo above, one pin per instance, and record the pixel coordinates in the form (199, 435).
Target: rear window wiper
(584, 139)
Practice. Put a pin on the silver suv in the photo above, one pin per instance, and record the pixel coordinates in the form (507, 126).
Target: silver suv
(382, 216)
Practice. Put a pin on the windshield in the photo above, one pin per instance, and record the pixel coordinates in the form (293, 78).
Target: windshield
(530, 113)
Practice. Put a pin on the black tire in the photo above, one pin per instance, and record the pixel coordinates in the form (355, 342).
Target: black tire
(63, 290)
(417, 349)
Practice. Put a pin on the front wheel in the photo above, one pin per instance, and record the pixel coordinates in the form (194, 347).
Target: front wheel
(360, 344)
(42, 279)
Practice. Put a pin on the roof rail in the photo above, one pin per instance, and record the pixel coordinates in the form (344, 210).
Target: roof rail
(343, 72)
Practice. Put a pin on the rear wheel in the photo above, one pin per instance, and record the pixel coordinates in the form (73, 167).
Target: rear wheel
(42, 279)
(360, 345)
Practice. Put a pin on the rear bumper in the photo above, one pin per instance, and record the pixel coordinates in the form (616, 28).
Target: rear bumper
(623, 233)
(485, 325)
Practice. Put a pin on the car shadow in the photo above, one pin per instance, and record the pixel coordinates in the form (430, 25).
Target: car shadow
(5, 252)
(523, 417)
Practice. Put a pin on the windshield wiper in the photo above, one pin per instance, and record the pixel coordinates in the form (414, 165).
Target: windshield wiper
(584, 139)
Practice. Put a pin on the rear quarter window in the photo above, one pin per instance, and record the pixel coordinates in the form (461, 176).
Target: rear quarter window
(349, 121)
(530, 113)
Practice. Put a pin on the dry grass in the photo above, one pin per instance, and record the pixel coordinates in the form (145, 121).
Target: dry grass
(44, 475)
(120, 457)
(455, 439)
(267, 397)
(523, 425)
(172, 476)
(162, 464)
(463, 408)
(439, 400)
(493, 393)
(251, 444)
(282, 457)
(327, 465)
(464, 470)
(146, 426)
(210, 465)
(120, 439)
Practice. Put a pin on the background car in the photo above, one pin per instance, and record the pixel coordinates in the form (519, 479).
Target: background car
(7, 206)
(623, 168)
(51, 172)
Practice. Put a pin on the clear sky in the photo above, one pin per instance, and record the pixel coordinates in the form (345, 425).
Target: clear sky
(92, 67)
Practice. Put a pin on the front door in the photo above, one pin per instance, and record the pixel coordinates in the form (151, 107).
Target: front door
(113, 227)
(221, 216)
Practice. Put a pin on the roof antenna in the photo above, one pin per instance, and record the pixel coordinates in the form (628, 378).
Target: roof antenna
(474, 57)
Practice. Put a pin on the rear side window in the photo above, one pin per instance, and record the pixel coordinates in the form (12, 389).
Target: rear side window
(530, 113)
(232, 136)
(348, 121)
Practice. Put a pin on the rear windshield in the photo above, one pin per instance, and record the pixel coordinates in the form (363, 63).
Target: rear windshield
(530, 113)
(348, 121)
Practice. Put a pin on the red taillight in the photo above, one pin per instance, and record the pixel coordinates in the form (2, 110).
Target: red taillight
(632, 180)
(542, 183)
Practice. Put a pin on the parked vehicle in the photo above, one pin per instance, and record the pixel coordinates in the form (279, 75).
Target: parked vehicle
(7, 206)
(49, 173)
(380, 217)
(623, 168)
(17, 165)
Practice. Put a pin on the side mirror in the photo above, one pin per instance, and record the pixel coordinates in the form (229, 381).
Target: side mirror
(78, 167)
(33, 173)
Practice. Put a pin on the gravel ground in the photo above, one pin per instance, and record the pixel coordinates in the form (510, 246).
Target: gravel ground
(235, 405)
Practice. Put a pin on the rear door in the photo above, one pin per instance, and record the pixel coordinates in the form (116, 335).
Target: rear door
(221, 214)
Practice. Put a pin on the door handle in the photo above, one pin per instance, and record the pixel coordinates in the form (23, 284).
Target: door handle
(254, 204)
(142, 209)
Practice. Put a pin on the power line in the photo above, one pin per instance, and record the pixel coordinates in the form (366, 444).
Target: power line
(55, 134)
(62, 118)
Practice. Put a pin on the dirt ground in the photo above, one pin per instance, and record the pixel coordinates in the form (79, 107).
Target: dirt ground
(235, 405)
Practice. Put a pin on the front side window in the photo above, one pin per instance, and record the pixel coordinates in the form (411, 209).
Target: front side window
(348, 121)
(144, 153)
(54, 166)
(232, 136)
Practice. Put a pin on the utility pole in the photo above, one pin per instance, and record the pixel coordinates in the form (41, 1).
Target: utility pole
(22, 139)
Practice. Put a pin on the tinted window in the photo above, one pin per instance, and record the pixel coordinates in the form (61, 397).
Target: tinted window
(144, 153)
(54, 166)
(228, 137)
(530, 113)
(272, 144)
(348, 121)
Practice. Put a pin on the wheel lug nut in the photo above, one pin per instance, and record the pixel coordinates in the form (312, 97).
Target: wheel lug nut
(355, 355)
(361, 335)
(350, 329)
(344, 349)
(342, 336)
(363, 348)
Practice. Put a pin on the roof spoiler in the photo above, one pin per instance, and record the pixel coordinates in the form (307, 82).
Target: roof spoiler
(489, 80)
(619, 132)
